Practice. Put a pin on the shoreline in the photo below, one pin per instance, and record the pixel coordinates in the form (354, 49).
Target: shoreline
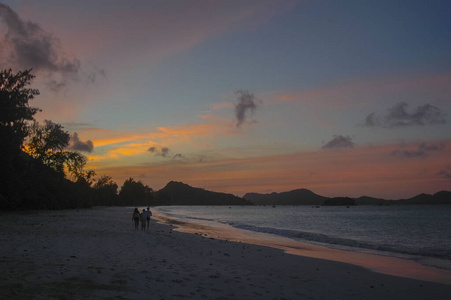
(97, 254)
(382, 264)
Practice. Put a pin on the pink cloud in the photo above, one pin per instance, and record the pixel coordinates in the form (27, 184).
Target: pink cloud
(149, 31)
(346, 94)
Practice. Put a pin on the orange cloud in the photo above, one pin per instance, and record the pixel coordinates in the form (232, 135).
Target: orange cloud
(127, 151)
(117, 140)
(183, 132)
(117, 153)
(122, 144)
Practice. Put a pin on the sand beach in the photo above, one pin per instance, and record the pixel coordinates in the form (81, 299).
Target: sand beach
(97, 254)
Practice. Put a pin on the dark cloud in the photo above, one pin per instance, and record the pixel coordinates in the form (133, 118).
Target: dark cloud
(56, 86)
(444, 174)
(399, 116)
(163, 151)
(339, 141)
(246, 103)
(372, 120)
(27, 45)
(433, 147)
(93, 77)
(178, 155)
(152, 149)
(77, 145)
(422, 150)
(408, 153)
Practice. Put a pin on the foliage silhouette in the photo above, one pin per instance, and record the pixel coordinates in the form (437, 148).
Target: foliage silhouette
(15, 111)
(33, 157)
(135, 193)
(106, 190)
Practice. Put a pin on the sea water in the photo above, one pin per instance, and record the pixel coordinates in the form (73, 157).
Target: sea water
(417, 232)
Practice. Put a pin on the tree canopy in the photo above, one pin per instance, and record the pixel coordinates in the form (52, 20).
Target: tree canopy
(15, 110)
(106, 190)
(135, 193)
(37, 169)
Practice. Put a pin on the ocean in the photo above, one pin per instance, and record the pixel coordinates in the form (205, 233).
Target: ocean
(415, 232)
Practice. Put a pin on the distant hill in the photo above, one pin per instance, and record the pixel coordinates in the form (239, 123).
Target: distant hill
(307, 197)
(365, 200)
(443, 197)
(339, 201)
(178, 193)
(295, 197)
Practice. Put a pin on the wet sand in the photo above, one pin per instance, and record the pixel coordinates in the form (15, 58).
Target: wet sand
(97, 254)
(382, 264)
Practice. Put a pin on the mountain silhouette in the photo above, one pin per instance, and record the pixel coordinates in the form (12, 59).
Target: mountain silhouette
(307, 197)
(178, 193)
(339, 201)
(295, 197)
(365, 200)
(443, 197)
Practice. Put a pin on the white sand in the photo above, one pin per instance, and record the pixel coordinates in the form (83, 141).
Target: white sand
(97, 254)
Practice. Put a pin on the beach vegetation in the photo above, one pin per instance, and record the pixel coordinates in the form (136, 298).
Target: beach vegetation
(35, 164)
(106, 190)
(38, 170)
(48, 143)
(135, 193)
(15, 111)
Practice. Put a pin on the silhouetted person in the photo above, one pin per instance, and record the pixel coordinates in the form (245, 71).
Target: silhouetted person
(136, 217)
(148, 215)
(143, 219)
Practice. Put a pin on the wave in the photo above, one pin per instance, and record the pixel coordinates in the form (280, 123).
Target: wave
(426, 250)
(180, 217)
(339, 242)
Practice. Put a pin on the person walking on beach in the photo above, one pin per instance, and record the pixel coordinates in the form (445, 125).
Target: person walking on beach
(148, 215)
(136, 217)
(143, 219)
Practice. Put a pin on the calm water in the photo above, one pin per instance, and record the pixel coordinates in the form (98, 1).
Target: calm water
(421, 233)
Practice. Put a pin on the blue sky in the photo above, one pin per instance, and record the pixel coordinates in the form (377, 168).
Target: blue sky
(345, 98)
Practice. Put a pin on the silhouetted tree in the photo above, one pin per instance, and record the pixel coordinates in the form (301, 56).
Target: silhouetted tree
(135, 193)
(15, 113)
(106, 190)
(75, 163)
(36, 180)
(48, 142)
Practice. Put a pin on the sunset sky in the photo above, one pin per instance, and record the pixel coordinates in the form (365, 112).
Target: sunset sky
(345, 98)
